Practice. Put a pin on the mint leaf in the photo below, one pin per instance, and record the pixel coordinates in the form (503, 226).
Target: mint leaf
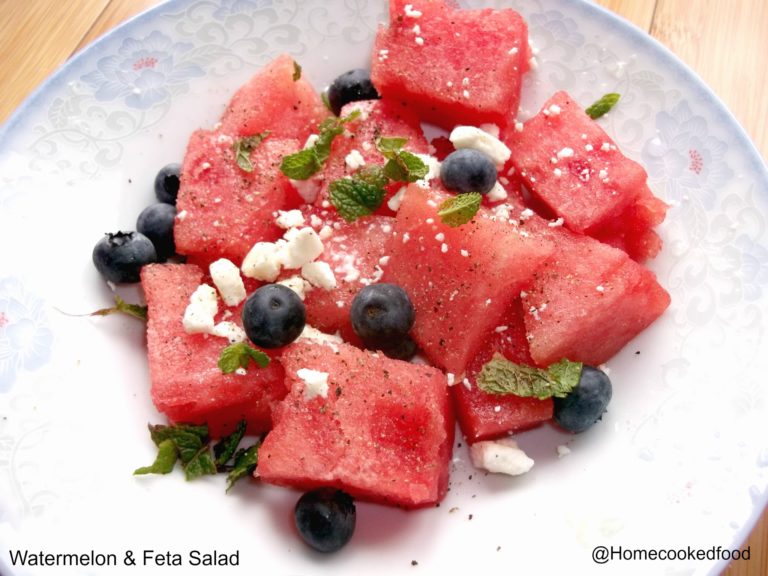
(459, 209)
(200, 464)
(355, 197)
(245, 463)
(243, 148)
(324, 98)
(239, 355)
(225, 448)
(500, 376)
(390, 146)
(603, 105)
(187, 438)
(164, 461)
(122, 307)
(306, 163)
(296, 71)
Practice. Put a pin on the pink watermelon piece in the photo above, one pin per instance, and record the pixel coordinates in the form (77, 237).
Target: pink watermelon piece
(224, 210)
(461, 280)
(484, 416)
(570, 164)
(452, 66)
(588, 301)
(378, 118)
(354, 252)
(187, 385)
(275, 100)
(383, 433)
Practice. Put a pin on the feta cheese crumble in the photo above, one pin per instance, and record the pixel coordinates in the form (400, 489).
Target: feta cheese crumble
(262, 262)
(289, 219)
(319, 274)
(229, 330)
(226, 278)
(354, 160)
(298, 285)
(497, 193)
(201, 310)
(302, 246)
(394, 202)
(500, 456)
(477, 139)
(315, 383)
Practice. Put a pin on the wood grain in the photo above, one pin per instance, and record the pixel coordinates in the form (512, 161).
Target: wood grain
(723, 41)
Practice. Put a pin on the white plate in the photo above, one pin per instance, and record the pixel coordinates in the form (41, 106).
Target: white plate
(680, 460)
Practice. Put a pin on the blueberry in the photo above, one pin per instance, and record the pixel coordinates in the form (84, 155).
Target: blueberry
(167, 183)
(382, 314)
(119, 257)
(156, 223)
(325, 518)
(468, 170)
(586, 403)
(350, 87)
(273, 316)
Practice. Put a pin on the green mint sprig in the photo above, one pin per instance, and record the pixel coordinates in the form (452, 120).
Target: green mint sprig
(191, 445)
(243, 148)
(459, 209)
(122, 307)
(360, 195)
(603, 105)
(240, 355)
(401, 166)
(500, 376)
(306, 163)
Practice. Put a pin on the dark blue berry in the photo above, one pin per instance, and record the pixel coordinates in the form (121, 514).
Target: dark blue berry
(273, 316)
(119, 257)
(325, 518)
(382, 314)
(350, 87)
(167, 183)
(156, 223)
(468, 170)
(585, 404)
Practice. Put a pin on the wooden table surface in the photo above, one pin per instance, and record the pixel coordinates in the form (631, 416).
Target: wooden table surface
(724, 41)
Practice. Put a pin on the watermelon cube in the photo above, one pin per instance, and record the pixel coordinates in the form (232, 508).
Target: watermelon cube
(570, 164)
(187, 385)
(588, 301)
(461, 280)
(275, 99)
(484, 416)
(357, 148)
(224, 210)
(356, 254)
(452, 66)
(380, 429)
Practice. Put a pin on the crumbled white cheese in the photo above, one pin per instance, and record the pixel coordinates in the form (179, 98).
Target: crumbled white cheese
(406, 238)
(563, 450)
(354, 160)
(600, 288)
(289, 219)
(557, 172)
(181, 216)
(315, 383)
(518, 126)
(419, 40)
(500, 329)
(330, 340)
(464, 253)
(605, 147)
(394, 202)
(325, 232)
(603, 174)
(298, 285)
(497, 193)
(444, 248)
(384, 260)
(500, 456)
(311, 141)
(451, 378)
(201, 310)
(439, 236)
(553, 110)
(302, 246)
(565, 153)
(319, 274)
(433, 169)
(467, 383)
(262, 262)
(411, 12)
(589, 147)
(512, 51)
(315, 221)
(526, 214)
(466, 94)
(477, 139)
(307, 189)
(230, 331)
(556, 223)
(226, 277)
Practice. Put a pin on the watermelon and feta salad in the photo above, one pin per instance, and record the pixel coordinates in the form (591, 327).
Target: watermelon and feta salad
(321, 276)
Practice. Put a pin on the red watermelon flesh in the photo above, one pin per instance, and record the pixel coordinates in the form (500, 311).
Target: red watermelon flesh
(588, 301)
(187, 385)
(484, 416)
(568, 162)
(461, 280)
(274, 100)
(633, 231)
(452, 66)
(383, 433)
(354, 253)
(224, 210)
(378, 118)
